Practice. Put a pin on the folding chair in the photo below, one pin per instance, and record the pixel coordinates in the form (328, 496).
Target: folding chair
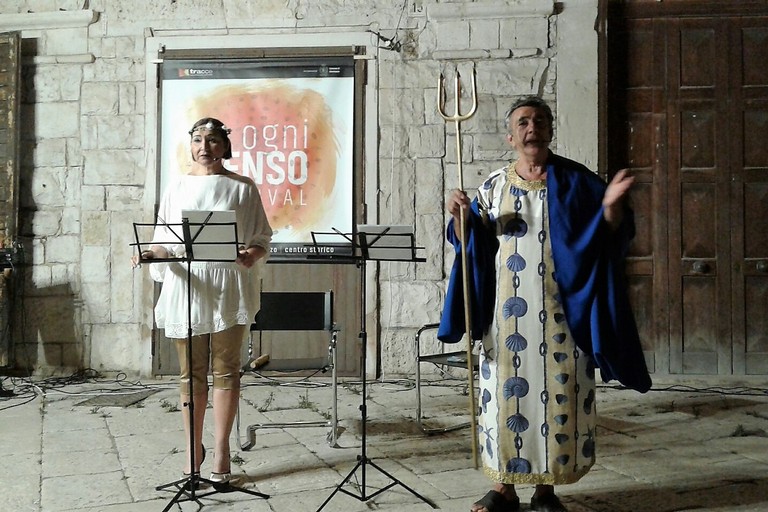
(295, 311)
(457, 359)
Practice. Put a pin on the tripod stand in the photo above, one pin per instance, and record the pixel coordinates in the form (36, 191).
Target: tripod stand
(217, 243)
(380, 243)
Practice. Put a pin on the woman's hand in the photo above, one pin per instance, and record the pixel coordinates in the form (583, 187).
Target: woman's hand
(247, 257)
(155, 252)
(613, 199)
(145, 255)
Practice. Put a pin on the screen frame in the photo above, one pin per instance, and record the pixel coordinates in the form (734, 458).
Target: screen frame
(289, 60)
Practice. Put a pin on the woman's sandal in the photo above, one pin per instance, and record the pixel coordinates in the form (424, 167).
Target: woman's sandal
(494, 501)
(189, 485)
(221, 478)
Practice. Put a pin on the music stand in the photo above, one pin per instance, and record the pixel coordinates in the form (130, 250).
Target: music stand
(214, 240)
(376, 243)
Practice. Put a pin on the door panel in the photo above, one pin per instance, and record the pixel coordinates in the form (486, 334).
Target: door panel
(749, 191)
(688, 112)
(637, 142)
(10, 101)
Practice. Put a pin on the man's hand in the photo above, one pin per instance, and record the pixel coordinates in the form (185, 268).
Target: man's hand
(613, 199)
(456, 202)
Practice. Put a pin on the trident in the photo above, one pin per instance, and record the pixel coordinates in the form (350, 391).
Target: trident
(457, 118)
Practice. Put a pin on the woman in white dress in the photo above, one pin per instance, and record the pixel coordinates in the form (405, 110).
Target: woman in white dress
(224, 294)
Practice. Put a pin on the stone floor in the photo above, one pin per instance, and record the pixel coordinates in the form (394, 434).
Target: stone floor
(76, 445)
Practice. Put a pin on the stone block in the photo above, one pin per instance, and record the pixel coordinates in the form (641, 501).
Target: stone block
(51, 185)
(394, 138)
(409, 304)
(431, 233)
(70, 220)
(429, 186)
(66, 491)
(120, 132)
(66, 41)
(426, 41)
(55, 120)
(66, 274)
(483, 34)
(62, 249)
(114, 167)
(397, 201)
(123, 298)
(485, 118)
(52, 319)
(39, 278)
(251, 14)
(100, 98)
(93, 197)
(130, 99)
(398, 355)
(59, 82)
(125, 199)
(116, 346)
(490, 143)
(96, 264)
(453, 35)
(46, 223)
(119, 69)
(399, 106)
(95, 228)
(74, 153)
(200, 14)
(426, 141)
(467, 144)
(512, 77)
(532, 32)
(89, 138)
(105, 47)
(96, 296)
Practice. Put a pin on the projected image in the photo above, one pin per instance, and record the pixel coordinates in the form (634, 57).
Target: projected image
(292, 133)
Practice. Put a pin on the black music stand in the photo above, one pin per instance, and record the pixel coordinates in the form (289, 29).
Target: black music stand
(376, 243)
(214, 241)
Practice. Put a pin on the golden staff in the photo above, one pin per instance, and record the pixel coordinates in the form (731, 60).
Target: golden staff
(457, 118)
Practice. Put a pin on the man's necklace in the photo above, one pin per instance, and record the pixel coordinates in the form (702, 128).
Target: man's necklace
(530, 185)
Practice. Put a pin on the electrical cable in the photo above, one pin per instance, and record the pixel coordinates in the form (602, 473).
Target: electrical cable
(683, 388)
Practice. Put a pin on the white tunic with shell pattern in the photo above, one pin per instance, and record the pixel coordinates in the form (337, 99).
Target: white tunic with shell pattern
(537, 389)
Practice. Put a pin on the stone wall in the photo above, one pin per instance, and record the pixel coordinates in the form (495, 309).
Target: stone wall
(84, 139)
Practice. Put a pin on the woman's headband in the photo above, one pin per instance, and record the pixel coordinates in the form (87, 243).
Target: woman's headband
(210, 127)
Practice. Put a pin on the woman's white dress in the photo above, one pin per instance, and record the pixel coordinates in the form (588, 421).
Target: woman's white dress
(224, 294)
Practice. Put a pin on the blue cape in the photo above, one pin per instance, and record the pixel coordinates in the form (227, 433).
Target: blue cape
(589, 270)
(481, 253)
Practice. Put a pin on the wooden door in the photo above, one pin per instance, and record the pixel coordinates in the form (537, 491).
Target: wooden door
(748, 72)
(344, 281)
(10, 101)
(686, 111)
(697, 172)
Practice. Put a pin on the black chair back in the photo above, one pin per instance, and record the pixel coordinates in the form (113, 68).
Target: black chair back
(295, 311)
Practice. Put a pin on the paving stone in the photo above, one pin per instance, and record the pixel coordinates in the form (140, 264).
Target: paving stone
(659, 452)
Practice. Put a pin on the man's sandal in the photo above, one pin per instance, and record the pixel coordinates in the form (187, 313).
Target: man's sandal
(494, 501)
(547, 503)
